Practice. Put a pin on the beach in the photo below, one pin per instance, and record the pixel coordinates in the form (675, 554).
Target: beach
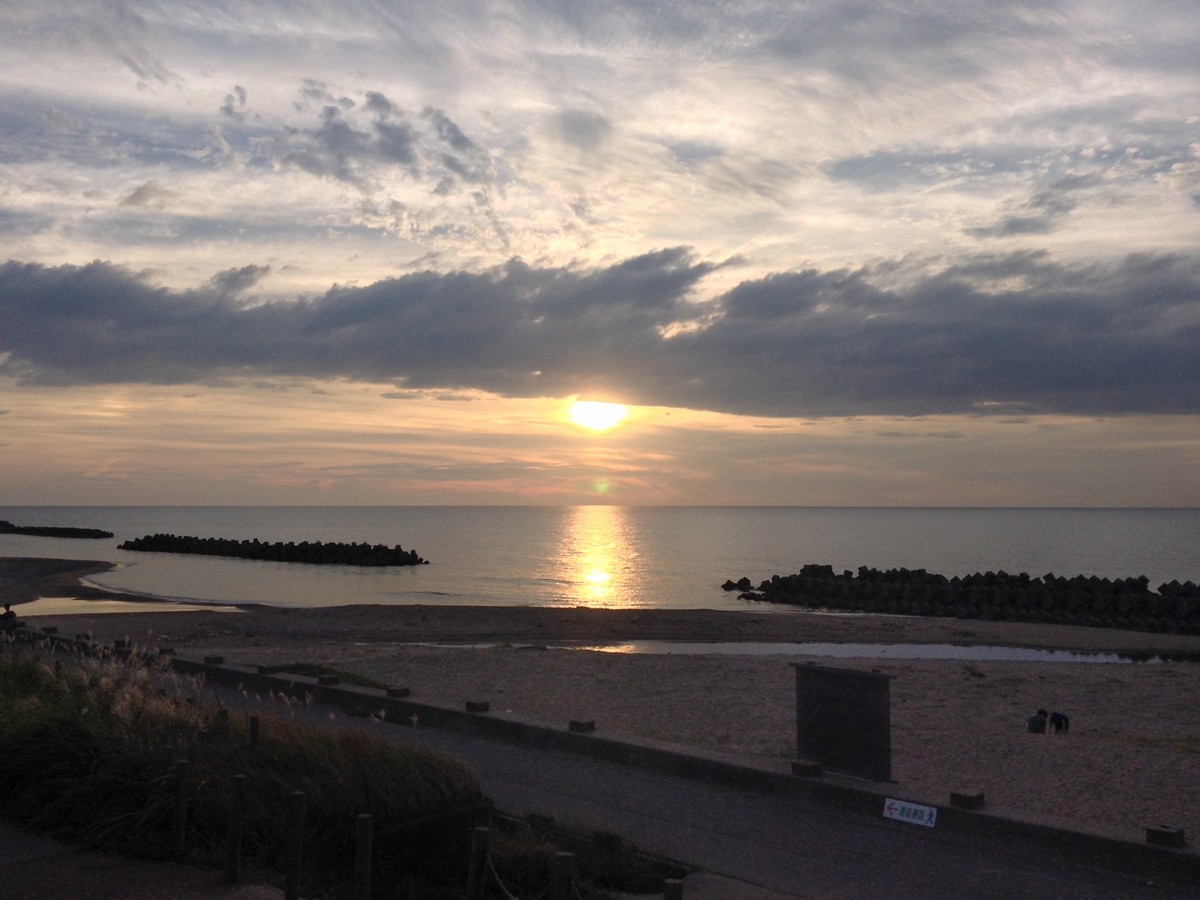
(1130, 760)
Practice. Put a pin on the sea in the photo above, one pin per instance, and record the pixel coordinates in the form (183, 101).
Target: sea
(603, 556)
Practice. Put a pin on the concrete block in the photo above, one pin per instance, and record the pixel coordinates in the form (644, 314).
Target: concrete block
(967, 799)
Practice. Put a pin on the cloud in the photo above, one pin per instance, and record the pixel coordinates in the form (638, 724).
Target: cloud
(1043, 211)
(234, 281)
(583, 130)
(1003, 334)
(235, 103)
(150, 193)
(936, 435)
(364, 143)
(893, 170)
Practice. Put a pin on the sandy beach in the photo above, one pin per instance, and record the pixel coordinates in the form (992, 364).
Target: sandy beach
(1131, 758)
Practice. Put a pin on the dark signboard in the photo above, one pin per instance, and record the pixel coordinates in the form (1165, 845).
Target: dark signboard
(844, 720)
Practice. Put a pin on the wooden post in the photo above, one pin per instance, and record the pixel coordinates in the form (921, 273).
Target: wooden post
(295, 846)
(560, 876)
(672, 889)
(363, 834)
(183, 787)
(479, 845)
(233, 840)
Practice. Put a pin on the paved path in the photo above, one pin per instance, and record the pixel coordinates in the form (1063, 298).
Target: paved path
(775, 843)
(764, 844)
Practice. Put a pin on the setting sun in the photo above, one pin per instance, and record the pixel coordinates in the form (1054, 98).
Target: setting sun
(597, 416)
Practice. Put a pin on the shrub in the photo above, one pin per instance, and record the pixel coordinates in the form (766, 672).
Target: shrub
(91, 750)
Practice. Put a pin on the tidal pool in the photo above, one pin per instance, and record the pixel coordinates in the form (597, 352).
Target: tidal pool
(846, 651)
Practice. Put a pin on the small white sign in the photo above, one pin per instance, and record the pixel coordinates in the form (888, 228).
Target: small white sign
(913, 813)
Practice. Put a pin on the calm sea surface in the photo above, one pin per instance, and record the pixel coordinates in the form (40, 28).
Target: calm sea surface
(607, 556)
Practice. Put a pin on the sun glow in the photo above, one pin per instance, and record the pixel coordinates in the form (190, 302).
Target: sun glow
(597, 416)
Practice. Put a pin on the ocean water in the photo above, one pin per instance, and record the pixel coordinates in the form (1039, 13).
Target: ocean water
(606, 556)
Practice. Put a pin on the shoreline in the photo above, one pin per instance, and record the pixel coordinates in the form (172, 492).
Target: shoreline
(956, 725)
(25, 579)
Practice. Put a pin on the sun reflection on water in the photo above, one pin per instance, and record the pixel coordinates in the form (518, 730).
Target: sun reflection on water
(598, 555)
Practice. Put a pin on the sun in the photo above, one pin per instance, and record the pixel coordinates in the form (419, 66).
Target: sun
(597, 416)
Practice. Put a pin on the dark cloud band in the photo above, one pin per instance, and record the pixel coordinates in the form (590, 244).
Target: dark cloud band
(1004, 333)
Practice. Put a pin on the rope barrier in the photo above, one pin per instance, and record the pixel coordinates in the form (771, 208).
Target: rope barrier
(508, 895)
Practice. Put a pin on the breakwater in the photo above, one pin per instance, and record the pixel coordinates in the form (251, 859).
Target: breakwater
(1126, 603)
(54, 531)
(313, 553)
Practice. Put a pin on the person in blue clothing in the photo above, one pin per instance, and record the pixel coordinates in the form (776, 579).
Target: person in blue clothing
(1059, 723)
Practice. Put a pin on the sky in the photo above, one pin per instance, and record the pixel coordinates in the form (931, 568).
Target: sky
(877, 253)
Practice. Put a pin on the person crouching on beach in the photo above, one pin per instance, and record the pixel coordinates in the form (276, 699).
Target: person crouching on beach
(1059, 723)
(1036, 723)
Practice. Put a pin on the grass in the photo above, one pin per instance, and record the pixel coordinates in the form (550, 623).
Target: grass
(92, 751)
(603, 861)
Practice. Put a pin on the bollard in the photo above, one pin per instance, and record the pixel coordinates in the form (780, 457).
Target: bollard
(672, 889)
(233, 840)
(1165, 836)
(183, 786)
(967, 799)
(807, 768)
(363, 835)
(295, 847)
(560, 876)
(479, 845)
